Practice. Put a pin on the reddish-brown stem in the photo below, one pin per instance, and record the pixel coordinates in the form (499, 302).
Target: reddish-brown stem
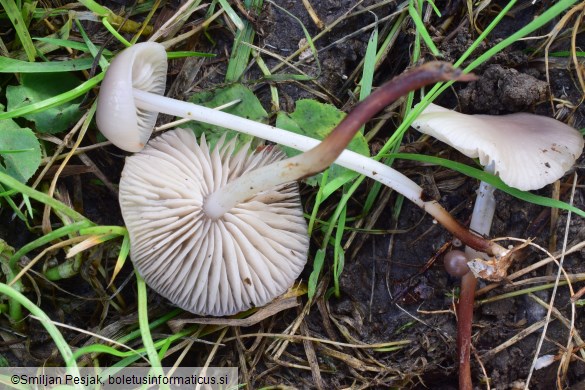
(464, 321)
(468, 238)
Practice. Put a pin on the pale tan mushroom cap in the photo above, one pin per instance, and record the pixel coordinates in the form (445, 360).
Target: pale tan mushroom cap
(246, 258)
(528, 151)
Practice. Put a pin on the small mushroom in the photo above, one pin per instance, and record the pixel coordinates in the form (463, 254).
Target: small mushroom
(220, 266)
(455, 262)
(528, 152)
(129, 102)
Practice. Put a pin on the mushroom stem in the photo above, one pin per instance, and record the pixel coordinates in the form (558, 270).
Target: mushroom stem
(483, 211)
(426, 74)
(481, 223)
(464, 322)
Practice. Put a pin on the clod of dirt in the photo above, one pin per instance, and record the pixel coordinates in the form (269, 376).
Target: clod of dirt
(500, 90)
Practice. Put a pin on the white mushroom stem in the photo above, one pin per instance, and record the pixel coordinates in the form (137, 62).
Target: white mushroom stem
(483, 210)
(483, 213)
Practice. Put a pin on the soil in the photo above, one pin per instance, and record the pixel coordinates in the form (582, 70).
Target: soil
(393, 287)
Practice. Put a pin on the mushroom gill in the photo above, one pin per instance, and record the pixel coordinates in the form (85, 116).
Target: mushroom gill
(246, 258)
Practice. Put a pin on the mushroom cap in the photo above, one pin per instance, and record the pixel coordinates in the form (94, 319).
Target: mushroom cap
(528, 151)
(144, 67)
(246, 258)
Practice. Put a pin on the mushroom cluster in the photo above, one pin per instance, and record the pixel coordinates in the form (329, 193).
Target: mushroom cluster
(130, 67)
(175, 193)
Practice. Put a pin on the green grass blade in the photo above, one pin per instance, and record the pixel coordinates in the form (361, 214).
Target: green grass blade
(493, 180)
(80, 46)
(95, 7)
(145, 328)
(11, 65)
(369, 66)
(44, 319)
(55, 100)
(21, 29)
(232, 14)
(114, 32)
(317, 202)
(338, 253)
(92, 48)
(241, 52)
(318, 263)
(100, 348)
(55, 234)
(421, 29)
(14, 184)
(183, 54)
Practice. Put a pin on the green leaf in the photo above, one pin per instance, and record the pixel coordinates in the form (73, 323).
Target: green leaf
(249, 107)
(314, 277)
(20, 153)
(10, 65)
(14, 14)
(316, 120)
(37, 87)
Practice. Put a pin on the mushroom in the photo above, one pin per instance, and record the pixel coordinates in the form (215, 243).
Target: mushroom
(220, 266)
(124, 119)
(455, 262)
(527, 152)
(129, 102)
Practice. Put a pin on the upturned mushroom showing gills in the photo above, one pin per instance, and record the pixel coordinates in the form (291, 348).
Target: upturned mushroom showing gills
(114, 106)
(221, 266)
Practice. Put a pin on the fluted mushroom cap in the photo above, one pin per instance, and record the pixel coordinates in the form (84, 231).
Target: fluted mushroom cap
(528, 151)
(246, 258)
(143, 67)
